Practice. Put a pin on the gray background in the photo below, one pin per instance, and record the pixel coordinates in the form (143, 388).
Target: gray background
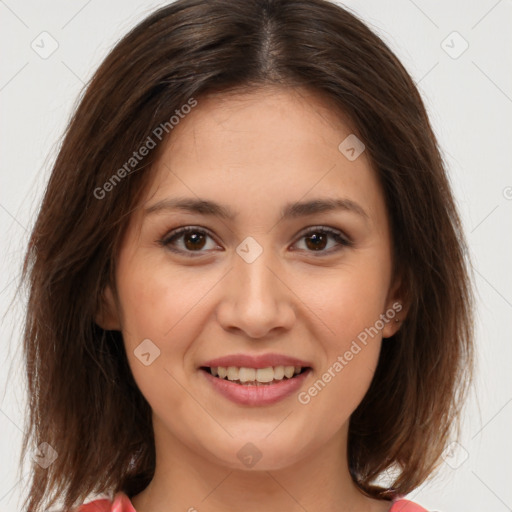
(469, 98)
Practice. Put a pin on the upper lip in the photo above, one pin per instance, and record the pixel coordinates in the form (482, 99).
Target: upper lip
(256, 361)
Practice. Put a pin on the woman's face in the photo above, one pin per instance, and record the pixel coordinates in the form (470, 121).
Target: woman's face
(283, 276)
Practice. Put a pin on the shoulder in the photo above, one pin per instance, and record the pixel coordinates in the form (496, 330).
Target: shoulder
(120, 503)
(402, 505)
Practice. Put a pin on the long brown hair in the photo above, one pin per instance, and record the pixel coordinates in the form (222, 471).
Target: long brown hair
(82, 398)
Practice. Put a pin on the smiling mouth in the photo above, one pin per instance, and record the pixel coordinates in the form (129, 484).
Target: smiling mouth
(255, 376)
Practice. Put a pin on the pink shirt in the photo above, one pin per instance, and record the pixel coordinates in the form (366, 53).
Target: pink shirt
(122, 503)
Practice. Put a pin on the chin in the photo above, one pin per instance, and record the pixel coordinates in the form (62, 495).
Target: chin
(250, 454)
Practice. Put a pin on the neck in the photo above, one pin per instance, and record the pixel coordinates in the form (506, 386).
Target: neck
(186, 480)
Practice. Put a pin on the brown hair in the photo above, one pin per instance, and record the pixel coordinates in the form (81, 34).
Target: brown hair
(83, 400)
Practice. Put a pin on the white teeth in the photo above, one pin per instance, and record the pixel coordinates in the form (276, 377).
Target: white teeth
(279, 372)
(263, 375)
(246, 374)
(289, 371)
(232, 373)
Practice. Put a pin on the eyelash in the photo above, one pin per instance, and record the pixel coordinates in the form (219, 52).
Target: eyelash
(342, 240)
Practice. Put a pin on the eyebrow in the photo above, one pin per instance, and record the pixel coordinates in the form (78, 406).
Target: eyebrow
(289, 211)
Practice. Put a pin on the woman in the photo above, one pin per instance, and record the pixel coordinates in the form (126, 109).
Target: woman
(247, 279)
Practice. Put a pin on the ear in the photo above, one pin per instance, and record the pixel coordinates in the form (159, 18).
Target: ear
(397, 307)
(107, 316)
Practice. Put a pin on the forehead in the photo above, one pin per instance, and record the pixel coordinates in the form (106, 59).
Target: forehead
(273, 115)
(258, 149)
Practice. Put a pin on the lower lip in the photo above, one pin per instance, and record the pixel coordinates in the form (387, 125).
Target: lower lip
(265, 394)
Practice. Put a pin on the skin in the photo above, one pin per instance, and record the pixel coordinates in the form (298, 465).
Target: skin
(255, 152)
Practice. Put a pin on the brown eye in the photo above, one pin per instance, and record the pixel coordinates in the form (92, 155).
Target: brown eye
(317, 240)
(188, 240)
(194, 241)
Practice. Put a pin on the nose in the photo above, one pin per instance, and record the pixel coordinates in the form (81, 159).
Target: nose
(256, 298)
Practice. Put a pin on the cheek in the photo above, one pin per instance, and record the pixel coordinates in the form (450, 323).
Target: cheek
(351, 354)
(168, 307)
(350, 308)
(350, 300)
(161, 303)
(336, 391)
(162, 313)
